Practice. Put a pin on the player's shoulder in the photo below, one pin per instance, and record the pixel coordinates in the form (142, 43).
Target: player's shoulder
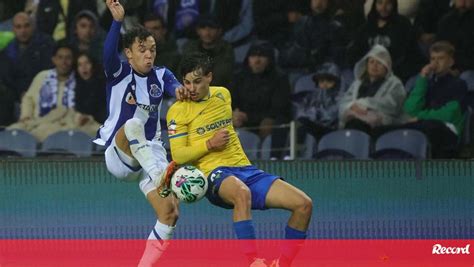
(219, 91)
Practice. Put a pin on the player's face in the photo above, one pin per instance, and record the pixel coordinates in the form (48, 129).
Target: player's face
(142, 54)
(22, 28)
(197, 84)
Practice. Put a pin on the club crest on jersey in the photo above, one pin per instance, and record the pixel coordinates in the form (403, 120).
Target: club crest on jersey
(130, 99)
(155, 90)
(172, 127)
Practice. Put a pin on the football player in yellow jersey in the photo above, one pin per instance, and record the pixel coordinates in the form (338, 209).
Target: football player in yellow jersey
(201, 133)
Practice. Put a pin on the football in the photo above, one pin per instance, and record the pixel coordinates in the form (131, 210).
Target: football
(189, 184)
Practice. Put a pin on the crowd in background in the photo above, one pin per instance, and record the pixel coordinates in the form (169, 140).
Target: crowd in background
(369, 65)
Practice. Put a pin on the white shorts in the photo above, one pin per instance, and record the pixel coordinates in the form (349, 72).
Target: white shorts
(126, 168)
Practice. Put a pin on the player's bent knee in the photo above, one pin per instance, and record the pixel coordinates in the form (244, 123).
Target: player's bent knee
(241, 196)
(305, 206)
(131, 126)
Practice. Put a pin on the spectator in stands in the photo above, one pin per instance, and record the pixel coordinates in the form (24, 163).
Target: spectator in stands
(56, 17)
(7, 107)
(88, 36)
(457, 28)
(166, 49)
(48, 105)
(235, 16)
(29, 53)
(376, 97)
(385, 26)
(261, 96)
(427, 20)
(321, 39)
(8, 9)
(90, 92)
(271, 20)
(436, 106)
(350, 13)
(317, 110)
(210, 42)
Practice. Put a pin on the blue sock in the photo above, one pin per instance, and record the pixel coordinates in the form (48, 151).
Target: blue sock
(295, 239)
(246, 233)
(244, 229)
(292, 233)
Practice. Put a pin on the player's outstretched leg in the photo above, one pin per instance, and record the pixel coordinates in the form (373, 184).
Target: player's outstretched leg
(282, 195)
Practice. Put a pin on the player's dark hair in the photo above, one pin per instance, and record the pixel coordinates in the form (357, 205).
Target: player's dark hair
(137, 32)
(194, 62)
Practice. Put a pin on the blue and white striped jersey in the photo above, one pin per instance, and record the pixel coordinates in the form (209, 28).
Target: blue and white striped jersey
(130, 94)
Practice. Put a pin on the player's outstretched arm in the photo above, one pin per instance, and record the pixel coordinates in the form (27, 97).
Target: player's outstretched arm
(111, 57)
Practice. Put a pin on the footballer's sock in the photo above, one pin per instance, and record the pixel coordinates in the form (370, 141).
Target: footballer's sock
(141, 150)
(157, 242)
(246, 234)
(294, 240)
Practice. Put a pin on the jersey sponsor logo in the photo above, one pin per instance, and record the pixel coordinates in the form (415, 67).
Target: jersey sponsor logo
(150, 108)
(214, 126)
(155, 90)
(201, 130)
(172, 127)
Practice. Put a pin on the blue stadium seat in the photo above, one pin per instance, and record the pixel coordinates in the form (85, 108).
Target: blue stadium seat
(16, 142)
(344, 144)
(309, 147)
(250, 143)
(402, 144)
(68, 142)
(304, 84)
(266, 148)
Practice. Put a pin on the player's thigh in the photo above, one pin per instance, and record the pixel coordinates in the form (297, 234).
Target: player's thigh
(283, 195)
(121, 141)
(166, 209)
(231, 189)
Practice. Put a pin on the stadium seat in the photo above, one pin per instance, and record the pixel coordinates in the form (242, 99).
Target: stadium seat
(68, 142)
(304, 84)
(266, 148)
(17, 143)
(308, 147)
(401, 144)
(344, 144)
(466, 135)
(250, 143)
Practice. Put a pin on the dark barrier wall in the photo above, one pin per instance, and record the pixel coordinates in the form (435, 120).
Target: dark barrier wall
(352, 199)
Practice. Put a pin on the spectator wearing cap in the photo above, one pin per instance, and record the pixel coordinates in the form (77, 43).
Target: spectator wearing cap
(210, 42)
(166, 49)
(87, 35)
(317, 109)
(376, 97)
(261, 96)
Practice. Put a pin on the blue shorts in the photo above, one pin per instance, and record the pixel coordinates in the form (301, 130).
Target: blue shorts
(258, 181)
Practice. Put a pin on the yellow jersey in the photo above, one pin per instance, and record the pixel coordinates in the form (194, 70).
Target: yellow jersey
(191, 124)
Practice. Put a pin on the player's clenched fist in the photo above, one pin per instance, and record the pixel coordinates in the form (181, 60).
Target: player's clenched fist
(116, 9)
(219, 140)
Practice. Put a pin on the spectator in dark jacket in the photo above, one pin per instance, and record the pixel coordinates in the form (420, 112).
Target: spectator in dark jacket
(457, 27)
(388, 28)
(29, 53)
(321, 39)
(210, 42)
(87, 35)
(261, 96)
(53, 19)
